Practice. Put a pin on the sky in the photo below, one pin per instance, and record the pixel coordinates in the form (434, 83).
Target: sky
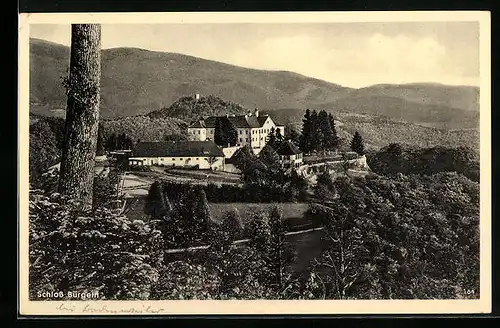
(349, 54)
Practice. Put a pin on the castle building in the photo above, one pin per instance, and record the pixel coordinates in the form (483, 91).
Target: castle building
(251, 129)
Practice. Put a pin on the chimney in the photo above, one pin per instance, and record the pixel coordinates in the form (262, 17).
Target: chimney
(256, 112)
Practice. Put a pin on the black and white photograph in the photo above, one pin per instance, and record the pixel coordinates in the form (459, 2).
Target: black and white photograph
(255, 158)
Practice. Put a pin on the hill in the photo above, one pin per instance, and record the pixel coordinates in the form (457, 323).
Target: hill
(379, 131)
(190, 108)
(462, 97)
(442, 117)
(137, 81)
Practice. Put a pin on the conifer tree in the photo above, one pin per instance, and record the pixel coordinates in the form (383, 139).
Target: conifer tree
(271, 138)
(305, 138)
(232, 225)
(269, 157)
(357, 144)
(335, 141)
(156, 205)
(316, 135)
(326, 131)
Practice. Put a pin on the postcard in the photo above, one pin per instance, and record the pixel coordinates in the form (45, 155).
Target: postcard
(282, 163)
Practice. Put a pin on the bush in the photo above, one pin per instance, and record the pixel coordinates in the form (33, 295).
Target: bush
(140, 168)
(70, 250)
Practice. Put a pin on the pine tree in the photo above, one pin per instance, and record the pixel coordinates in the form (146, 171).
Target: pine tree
(326, 131)
(156, 204)
(279, 138)
(269, 157)
(335, 141)
(271, 138)
(232, 225)
(82, 115)
(292, 134)
(357, 144)
(305, 138)
(316, 136)
(198, 224)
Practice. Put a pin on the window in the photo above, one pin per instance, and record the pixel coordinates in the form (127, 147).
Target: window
(198, 131)
(246, 139)
(180, 159)
(246, 131)
(241, 132)
(197, 158)
(240, 139)
(173, 159)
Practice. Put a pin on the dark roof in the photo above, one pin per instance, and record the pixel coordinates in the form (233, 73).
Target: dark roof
(198, 124)
(262, 119)
(288, 148)
(237, 121)
(177, 149)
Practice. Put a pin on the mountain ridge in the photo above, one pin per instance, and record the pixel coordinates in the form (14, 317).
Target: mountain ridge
(137, 81)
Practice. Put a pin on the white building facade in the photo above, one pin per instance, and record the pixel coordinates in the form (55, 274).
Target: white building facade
(184, 154)
(251, 129)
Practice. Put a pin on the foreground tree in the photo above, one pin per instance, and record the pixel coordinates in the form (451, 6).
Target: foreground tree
(72, 250)
(280, 254)
(82, 115)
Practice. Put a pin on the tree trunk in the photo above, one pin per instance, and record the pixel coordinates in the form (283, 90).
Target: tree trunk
(82, 115)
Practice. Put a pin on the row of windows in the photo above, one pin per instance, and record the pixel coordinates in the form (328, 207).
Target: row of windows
(173, 159)
(255, 131)
(211, 131)
(199, 131)
(253, 139)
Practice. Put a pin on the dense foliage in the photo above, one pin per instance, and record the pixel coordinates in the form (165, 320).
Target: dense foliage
(395, 159)
(46, 137)
(225, 134)
(118, 142)
(318, 132)
(406, 237)
(43, 150)
(189, 108)
(400, 237)
(144, 128)
(94, 251)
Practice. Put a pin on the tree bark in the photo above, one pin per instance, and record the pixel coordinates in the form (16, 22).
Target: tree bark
(82, 115)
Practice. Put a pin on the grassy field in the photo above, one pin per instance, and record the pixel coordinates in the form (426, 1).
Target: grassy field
(291, 211)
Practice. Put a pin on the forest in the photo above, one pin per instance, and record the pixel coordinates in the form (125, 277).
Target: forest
(401, 237)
